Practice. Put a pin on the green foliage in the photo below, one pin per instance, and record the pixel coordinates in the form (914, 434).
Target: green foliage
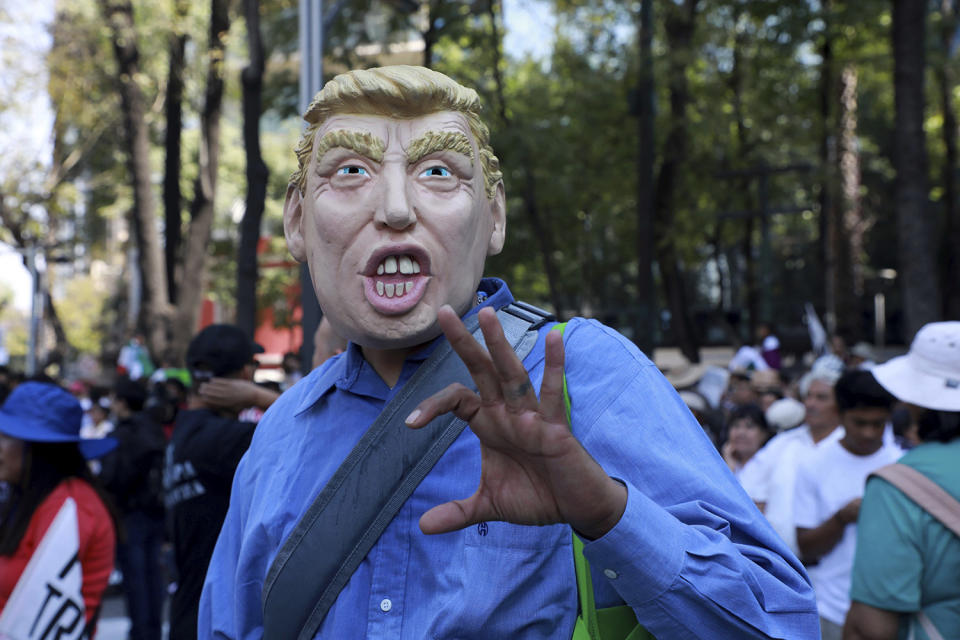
(564, 127)
(14, 324)
(83, 308)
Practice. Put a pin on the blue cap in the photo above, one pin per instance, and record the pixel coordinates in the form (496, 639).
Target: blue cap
(43, 412)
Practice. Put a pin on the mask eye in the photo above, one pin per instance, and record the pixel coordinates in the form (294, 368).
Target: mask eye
(351, 171)
(440, 172)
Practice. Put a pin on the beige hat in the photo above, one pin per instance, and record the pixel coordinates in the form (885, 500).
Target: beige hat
(685, 375)
(766, 379)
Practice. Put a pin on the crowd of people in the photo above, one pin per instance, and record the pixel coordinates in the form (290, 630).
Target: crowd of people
(147, 459)
(803, 441)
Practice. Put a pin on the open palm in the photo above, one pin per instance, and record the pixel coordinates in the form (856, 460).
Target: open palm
(534, 471)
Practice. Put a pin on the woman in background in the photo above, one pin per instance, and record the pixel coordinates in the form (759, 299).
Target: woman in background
(747, 431)
(43, 462)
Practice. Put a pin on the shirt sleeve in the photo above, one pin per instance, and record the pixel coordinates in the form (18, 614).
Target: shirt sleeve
(888, 565)
(97, 548)
(692, 555)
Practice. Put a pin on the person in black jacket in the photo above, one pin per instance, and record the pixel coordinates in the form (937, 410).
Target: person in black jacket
(207, 444)
(132, 474)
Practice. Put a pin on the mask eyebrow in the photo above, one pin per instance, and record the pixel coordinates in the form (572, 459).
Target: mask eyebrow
(434, 141)
(362, 142)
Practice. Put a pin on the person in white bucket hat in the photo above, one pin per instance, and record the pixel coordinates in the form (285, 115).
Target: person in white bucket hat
(906, 566)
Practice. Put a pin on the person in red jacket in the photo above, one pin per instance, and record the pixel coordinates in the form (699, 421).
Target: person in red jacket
(43, 463)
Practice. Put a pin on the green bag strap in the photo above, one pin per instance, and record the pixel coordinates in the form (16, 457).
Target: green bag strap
(618, 622)
(588, 608)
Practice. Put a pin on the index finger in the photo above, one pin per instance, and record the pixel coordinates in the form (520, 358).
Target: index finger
(474, 356)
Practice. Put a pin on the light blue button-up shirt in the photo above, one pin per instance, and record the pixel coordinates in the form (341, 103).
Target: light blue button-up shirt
(691, 554)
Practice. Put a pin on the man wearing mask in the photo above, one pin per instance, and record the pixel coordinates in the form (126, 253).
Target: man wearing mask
(395, 208)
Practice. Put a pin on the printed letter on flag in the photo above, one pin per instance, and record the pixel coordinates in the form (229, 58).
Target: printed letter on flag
(47, 602)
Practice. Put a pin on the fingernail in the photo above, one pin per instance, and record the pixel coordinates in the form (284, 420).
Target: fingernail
(413, 416)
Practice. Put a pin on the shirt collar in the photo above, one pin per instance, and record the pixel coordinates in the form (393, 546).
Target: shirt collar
(342, 370)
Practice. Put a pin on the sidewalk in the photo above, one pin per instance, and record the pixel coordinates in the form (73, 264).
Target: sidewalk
(114, 623)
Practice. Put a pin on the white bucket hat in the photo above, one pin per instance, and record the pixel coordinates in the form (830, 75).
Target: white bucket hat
(929, 375)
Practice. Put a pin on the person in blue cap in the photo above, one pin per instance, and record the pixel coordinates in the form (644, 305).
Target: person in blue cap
(43, 460)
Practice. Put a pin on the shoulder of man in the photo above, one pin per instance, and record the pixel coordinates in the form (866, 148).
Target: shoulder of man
(589, 340)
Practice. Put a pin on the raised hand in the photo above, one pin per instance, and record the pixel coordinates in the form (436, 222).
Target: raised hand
(534, 471)
(234, 394)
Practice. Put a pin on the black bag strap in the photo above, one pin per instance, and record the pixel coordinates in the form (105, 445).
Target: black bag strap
(372, 483)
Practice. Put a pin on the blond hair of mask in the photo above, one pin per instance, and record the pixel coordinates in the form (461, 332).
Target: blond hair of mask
(398, 91)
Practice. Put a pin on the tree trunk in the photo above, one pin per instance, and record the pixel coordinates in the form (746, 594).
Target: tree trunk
(751, 300)
(951, 236)
(918, 275)
(680, 25)
(645, 321)
(750, 286)
(829, 231)
(193, 285)
(850, 246)
(430, 35)
(50, 315)
(257, 174)
(155, 312)
(172, 198)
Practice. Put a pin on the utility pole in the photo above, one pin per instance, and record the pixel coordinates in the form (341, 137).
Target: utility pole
(311, 81)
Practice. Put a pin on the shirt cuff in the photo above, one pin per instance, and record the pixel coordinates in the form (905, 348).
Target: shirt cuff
(643, 553)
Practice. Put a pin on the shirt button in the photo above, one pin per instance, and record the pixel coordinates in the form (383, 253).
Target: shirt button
(610, 573)
(386, 605)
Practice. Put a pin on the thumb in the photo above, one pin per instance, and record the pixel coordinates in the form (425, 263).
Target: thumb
(449, 516)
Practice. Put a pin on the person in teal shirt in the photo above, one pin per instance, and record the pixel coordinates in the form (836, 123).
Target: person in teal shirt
(907, 562)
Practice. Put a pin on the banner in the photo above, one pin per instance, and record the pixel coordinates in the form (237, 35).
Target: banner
(47, 603)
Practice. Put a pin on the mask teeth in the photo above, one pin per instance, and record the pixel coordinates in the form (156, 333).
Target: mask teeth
(405, 265)
(391, 290)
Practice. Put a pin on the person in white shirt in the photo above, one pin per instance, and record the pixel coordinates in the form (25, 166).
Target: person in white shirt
(768, 477)
(829, 486)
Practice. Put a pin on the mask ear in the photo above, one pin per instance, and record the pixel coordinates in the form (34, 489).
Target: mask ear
(293, 223)
(498, 209)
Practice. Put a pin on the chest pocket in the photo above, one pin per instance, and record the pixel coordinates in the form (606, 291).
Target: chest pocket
(503, 535)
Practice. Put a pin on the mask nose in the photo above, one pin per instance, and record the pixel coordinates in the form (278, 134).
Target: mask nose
(395, 210)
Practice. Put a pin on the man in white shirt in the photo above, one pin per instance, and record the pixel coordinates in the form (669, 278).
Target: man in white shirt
(768, 476)
(829, 486)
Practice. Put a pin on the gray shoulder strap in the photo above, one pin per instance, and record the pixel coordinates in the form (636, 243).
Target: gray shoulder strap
(367, 490)
(925, 492)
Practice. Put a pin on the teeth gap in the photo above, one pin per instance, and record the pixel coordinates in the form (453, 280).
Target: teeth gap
(404, 264)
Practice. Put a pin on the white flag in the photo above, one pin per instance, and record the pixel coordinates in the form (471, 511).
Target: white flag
(47, 602)
(818, 335)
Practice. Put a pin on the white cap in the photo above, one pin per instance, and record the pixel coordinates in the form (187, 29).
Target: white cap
(785, 413)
